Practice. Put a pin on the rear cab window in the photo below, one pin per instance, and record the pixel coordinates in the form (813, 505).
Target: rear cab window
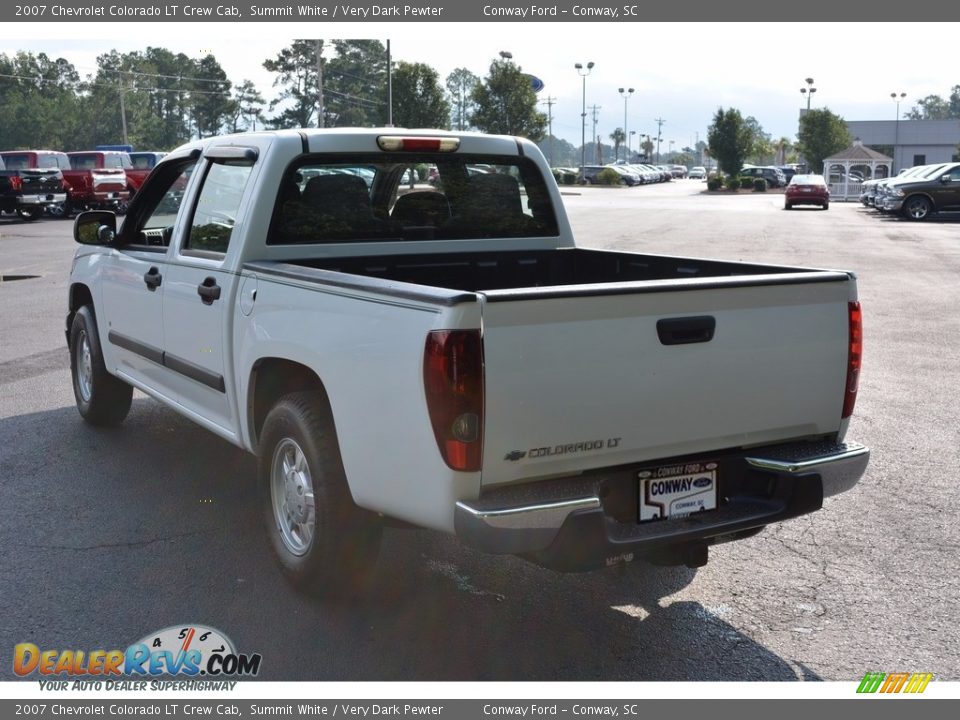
(419, 196)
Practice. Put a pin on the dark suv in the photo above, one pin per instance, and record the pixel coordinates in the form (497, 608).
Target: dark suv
(773, 176)
(918, 199)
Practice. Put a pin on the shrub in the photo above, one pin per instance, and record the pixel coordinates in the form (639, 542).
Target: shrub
(714, 183)
(422, 169)
(733, 183)
(569, 178)
(608, 176)
(557, 175)
(759, 185)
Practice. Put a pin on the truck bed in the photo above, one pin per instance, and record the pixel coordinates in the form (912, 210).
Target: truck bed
(562, 269)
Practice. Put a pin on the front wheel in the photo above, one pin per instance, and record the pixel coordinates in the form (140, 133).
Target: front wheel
(917, 208)
(326, 545)
(102, 399)
(826, 206)
(787, 206)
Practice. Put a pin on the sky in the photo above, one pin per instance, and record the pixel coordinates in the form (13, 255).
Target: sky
(681, 72)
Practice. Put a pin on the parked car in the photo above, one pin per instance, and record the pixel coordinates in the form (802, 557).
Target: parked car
(806, 190)
(918, 198)
(918, 172)
(679, 171)
(697, 172)
(773, 176)
(26, 190)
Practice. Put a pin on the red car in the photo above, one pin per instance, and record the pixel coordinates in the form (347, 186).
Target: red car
(806, 190)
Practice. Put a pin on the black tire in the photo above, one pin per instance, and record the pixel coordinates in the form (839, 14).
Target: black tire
(917, 208)
(102, 399)
(826, 206)
(787, 206)
(299, 456)
(30, 214)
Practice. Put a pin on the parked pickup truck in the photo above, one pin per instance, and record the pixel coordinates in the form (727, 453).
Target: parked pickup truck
(98, 179)
(453, 360)
(916, 197)
(27, 188)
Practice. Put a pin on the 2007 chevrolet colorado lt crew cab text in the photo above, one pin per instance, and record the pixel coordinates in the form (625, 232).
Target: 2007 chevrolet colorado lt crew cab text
(446, 356)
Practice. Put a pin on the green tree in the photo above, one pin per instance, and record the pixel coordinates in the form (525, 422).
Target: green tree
(559, 152)
(296, 76)
(460, 84)
(822, 133)
(418, 99)
(647, 146)
(210, 101)
(761, 145)
(932, 107)
(355, 84)
(247, 107)
(729, 140)
(506, 103)
(618, 137)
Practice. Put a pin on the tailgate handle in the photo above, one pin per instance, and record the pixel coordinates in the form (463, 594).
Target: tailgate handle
(686, 330)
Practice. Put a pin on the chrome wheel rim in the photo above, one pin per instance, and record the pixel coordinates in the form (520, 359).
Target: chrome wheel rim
(84, 368)
(291, 490)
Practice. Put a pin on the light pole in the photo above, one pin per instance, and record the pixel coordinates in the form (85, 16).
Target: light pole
(626, 96)
(809, 90)
(897, 98)
(629, 138)
(583, 72)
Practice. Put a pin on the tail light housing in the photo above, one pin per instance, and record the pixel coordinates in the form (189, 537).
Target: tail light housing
(453, 382)
(16, 183)
(854, 359)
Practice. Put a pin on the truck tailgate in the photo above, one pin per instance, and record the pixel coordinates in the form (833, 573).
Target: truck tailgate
(580, 378)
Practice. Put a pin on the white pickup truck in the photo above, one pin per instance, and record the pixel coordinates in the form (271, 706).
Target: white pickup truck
(445, 356)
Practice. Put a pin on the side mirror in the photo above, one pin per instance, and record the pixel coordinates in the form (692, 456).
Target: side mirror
(95, 227)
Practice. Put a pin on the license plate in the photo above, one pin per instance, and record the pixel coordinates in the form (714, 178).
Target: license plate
(805, 190)
(111, 196)
(677, 490)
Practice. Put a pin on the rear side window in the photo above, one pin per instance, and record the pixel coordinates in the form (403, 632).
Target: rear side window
(83, 162)
(410, 196)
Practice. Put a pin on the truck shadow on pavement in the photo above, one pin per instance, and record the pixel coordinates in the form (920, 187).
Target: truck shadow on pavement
(107, 535)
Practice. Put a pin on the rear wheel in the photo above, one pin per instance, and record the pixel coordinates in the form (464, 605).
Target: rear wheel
(101, 398)
(917, 208)
(30, 213)
(826, 205)
(787, 206)
(326, 545)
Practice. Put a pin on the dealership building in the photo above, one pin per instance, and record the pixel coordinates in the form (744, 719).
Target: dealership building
(910, 142)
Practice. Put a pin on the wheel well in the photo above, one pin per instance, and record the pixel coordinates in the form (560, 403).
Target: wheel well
(926, 197)
(271, 379)
(79, 296)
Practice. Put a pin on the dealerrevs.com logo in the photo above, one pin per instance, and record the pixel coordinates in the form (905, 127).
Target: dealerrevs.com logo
(181, 651)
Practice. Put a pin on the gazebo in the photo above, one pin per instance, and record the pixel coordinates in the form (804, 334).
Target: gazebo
(846, 171)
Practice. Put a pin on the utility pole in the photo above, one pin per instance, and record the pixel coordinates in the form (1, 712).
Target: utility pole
(659, 122)
(123, 111)
(319, 46)
(596, 153)
(389, 88)
(549, 102)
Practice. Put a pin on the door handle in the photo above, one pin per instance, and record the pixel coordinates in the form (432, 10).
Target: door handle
(152, 278)
(208, 290)
(686, 330)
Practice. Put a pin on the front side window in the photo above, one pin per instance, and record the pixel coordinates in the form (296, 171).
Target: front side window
(161, 203)
(216, 212)
(411, 196)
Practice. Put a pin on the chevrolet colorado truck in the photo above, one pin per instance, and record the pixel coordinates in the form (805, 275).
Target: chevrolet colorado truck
(28, 188)
(451, 359)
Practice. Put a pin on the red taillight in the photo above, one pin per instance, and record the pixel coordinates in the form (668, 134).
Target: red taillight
(16, 183)
(453, 381)
(414, 144)
(854, 359)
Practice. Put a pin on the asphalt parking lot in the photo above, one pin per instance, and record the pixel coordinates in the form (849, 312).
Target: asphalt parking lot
(108, 535)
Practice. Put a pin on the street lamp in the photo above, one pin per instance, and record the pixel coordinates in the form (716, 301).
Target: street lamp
(808, 91)
(505, 55)
(897, 98)
(626, 96)
(583, 72)
(629, 138)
